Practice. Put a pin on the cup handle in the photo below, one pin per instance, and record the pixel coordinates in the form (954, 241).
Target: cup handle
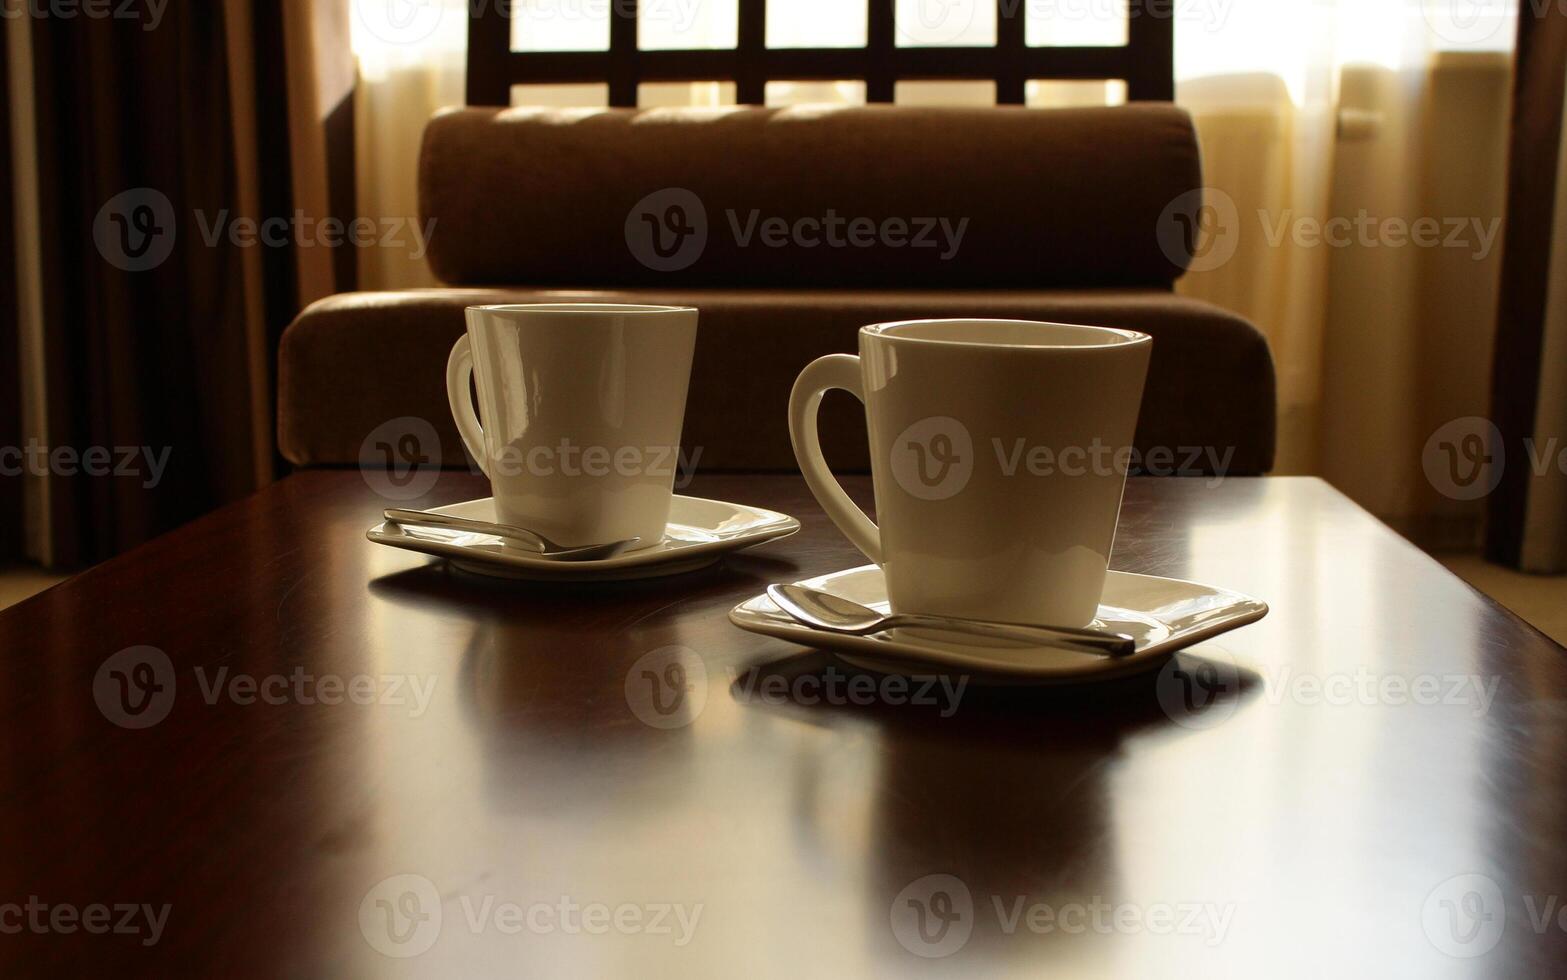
(459, 371)
(840, 371)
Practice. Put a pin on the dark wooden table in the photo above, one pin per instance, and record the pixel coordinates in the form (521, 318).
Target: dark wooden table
(351, 754)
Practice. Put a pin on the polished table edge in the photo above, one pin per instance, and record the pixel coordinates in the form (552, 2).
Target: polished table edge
(858, 485)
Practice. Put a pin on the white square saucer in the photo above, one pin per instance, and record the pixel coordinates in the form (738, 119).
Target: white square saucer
(1162, 614)
(698, 534)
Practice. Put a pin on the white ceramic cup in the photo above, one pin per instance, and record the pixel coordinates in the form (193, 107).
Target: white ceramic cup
(999, 451)
(582, 406)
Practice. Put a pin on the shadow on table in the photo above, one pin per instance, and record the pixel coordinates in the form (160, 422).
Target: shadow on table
(990, 801)
(440, 586)
(584, 696)
(1192, 690)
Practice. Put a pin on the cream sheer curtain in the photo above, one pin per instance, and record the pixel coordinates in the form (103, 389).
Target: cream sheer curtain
(1386, 113)
(1307, 110)
(412, 61)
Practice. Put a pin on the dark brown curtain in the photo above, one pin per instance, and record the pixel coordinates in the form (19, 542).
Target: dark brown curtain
(10, 372)
(1533, 200)
(149, 350)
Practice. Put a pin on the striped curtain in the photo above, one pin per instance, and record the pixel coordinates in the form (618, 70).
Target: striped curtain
(146, 318)
(1528, 510)
(11, 537)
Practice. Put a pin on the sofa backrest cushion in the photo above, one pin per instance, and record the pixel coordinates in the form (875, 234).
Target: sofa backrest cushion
(872, 196)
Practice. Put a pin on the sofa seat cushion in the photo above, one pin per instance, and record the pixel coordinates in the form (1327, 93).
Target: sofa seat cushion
(354, 362)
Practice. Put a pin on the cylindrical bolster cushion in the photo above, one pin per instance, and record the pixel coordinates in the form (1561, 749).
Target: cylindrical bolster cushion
(811, 196)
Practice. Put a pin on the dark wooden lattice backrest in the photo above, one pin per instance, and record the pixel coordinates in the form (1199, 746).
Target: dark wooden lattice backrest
(1146, 62)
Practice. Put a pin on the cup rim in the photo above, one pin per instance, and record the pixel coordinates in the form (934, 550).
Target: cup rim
(583, 309)
(1123, 337)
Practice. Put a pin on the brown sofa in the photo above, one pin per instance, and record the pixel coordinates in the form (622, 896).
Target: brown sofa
(1060, 215)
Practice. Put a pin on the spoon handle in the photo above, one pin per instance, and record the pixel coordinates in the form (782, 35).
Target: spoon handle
(533, 541)
(417, 518)
(1089, 640)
